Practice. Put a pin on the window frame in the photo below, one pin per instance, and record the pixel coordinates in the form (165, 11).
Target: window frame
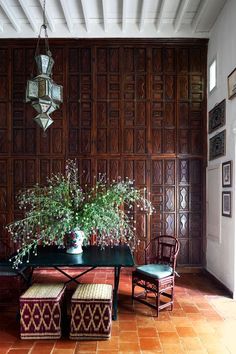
(214, 60)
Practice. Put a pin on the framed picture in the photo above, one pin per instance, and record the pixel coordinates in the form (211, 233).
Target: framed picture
(226, 204)
(232, 84)
(217, 145)
(217, 117)
(227, 174)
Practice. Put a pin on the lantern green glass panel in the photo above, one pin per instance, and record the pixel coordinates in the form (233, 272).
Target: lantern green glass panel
(57, 92)
(43, 106)
(32, 90)
(44, 64)
(43, 120)
(45, 87)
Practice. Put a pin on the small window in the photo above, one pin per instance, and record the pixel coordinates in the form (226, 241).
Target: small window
(212, 75)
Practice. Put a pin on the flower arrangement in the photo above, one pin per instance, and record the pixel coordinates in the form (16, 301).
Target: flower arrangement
(54, 210)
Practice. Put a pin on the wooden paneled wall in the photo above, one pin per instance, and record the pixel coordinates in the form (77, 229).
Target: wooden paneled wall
(134, 108)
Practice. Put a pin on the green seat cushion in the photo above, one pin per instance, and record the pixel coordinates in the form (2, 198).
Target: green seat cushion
(158, 271)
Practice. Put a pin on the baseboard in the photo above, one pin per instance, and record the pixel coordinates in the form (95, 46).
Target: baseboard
(189, 270)
(217, 281)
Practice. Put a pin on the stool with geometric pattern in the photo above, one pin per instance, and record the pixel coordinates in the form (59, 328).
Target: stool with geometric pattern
(40, 311)
(91, 312)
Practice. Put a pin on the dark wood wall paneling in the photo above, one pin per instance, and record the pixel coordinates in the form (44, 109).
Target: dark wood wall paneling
(132, 108)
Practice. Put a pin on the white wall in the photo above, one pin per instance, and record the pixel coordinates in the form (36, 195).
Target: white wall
(221, 249)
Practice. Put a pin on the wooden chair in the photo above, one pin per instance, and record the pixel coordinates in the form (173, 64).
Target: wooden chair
(12, 281)
(157, 275)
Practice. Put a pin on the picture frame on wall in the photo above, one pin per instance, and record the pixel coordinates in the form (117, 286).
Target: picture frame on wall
(232, 84)
(226, 204)
(217, 145)
(227, 174)
(217, 117)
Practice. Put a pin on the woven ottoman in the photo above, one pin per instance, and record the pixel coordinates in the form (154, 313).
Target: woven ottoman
(40, 311)
(91, 311)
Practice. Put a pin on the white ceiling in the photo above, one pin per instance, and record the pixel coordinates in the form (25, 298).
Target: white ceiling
(109, 18)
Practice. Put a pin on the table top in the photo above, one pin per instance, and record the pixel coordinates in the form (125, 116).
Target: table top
(92, 256)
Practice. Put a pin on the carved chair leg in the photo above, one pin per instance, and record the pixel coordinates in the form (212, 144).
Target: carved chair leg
(145, 290)
(172, 299)
(157, 303)
(157, 299)
(133, 286)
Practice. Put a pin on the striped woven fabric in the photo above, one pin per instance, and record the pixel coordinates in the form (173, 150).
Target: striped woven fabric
(41, 291)
(93, 292)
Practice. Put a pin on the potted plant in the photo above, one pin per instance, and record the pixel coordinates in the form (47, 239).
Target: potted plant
(63, 207)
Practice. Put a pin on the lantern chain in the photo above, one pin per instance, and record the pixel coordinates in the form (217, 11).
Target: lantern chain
(43, 27)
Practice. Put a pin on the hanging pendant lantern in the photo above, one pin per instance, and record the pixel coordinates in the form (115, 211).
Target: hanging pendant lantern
(43, 93)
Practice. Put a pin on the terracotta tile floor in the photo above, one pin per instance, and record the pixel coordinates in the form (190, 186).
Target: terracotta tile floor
(203, 321)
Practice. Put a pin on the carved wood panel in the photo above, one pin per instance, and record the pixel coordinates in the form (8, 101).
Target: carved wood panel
(5, 203)
(131, 109)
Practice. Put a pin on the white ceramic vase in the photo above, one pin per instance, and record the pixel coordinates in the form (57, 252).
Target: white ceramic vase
(74, 242)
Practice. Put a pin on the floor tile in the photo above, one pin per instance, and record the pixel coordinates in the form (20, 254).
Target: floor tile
(169, 338)
(87, 346)
(26, 344)
(185, 331)
(65, 344)
(129, 347)
(150, 344)
(4, 347)
(147, 332)
(165, 326)
(106, 352)
(19, 351)
(173, 349)
(108, 344)
(63, 351)
(189, 343)
(127, 337)
(41, 351)
(128, 326)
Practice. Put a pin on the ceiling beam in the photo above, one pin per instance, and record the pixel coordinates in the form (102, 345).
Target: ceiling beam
(142, 15)
(104, 11)
(160, 14)
(124, 15)
(66, 12)
(48, 17)
(180, 14)
(6, 8)
(25, 8)
(199, 13)
(85, 13)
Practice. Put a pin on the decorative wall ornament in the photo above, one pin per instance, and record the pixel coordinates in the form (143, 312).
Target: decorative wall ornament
(43, 93)
(227, 174)
(226, 204)
(232, 84)
(217, 117)
(217, 145)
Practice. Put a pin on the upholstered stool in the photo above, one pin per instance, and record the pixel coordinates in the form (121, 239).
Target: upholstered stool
(91, 311)
(40, 311)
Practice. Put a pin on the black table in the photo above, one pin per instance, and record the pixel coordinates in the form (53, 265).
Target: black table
(92, 257)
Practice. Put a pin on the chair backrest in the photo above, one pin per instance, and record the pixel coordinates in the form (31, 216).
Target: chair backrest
(163, 250)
